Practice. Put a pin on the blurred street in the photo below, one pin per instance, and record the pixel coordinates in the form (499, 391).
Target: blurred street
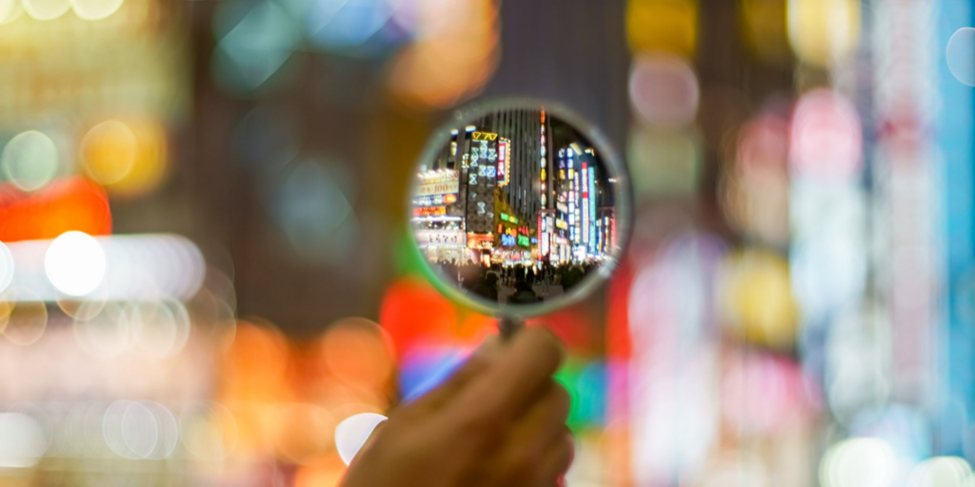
(218, 226)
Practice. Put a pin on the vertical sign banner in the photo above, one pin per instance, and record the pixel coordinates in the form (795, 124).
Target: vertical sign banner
(585, 204)
(592, 207)
(481, 181)
(503, 158)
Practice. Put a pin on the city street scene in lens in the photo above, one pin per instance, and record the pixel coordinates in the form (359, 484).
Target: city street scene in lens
(517, 207)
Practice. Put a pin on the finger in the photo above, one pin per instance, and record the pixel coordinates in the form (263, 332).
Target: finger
(529, 463)
(557, 460)
(544, 421)
(475, 364)
(517, 373)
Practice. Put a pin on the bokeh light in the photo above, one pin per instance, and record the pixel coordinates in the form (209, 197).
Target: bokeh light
(74, 204)
(662, 25)
(314, 211)
(22, 441)
(23, 316)
(95, 9)
(150, 166)
(826, 138)
(10, 10)
(255, 40)
(860, 462)
(824, 33)
(942, 472)
(664, 161)
(307, 433)
(960, 55)
(7, 267)
(46, 9)
(342, 25)
(208, 431)
(351, 434)
(30, 160)
(455, 54)
(75, 263)
(664, 90)
(109, 151)
(755, 298)
(414, 313)
(358, 351)
(764, 26)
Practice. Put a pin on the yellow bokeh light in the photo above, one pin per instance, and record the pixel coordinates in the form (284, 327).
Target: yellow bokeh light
(823, 32)
(46, 9)
(764, 29)
(662, 25)
(149, 167)
(95, 9)
(756, 299)
(108, 151)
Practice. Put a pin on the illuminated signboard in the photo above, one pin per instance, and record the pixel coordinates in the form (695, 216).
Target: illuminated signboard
(438, 183)
(585, 204)
(441, 238)
(561, 224)
(508, 218)
(481, 180)
(534, 240)
(508, 240)
(430, 211)
(592, 206)
(485, 136)
(480, 241)
(524, 241)
(504, 155)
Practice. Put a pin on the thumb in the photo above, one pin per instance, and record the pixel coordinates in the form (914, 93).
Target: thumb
(478, 361)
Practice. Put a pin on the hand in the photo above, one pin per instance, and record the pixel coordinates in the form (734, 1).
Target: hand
(498, 421)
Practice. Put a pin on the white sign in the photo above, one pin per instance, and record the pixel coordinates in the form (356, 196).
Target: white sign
(438, 183)
(441, 238)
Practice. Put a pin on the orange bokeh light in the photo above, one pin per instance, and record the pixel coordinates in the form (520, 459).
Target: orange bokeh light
(357, 351)
(61, 206)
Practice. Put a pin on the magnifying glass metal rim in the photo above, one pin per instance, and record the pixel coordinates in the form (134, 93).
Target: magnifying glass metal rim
(609, 157)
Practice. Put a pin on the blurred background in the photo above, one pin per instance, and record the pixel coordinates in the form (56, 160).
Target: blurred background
(205, 265)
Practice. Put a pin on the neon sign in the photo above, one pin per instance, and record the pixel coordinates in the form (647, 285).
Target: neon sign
(430, 211)
(503, 157)
(485, 136)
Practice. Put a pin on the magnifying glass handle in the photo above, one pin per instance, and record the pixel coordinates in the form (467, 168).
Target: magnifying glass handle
(508, 326)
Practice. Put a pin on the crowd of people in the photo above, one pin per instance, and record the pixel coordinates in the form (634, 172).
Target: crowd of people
(522, 284)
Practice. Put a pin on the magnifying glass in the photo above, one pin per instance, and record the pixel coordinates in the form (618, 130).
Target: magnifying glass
(520, 207)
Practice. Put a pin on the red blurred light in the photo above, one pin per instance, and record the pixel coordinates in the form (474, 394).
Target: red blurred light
(64, 205)
(414, 313)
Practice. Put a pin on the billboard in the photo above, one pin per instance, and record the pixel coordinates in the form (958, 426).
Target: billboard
(438, 183)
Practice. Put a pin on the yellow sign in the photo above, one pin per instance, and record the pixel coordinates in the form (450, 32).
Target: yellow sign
(484, 136)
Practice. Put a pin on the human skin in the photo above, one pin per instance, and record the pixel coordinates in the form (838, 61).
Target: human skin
(498, 421)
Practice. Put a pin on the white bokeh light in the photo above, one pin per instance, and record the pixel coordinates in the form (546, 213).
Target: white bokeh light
(75, 263)
(22, 441)
(859, 462)
(960, 55)
(6, 267)
(353, 432)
